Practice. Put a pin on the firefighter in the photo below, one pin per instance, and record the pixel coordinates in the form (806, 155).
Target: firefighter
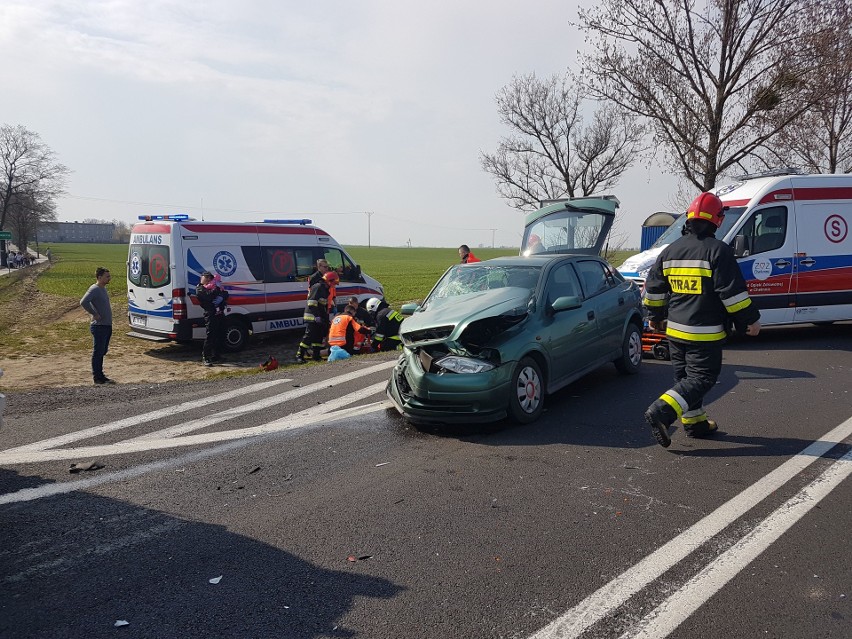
(317, 275)
(387, 321)
(698, 281)
(344, 328)
(317, 313)
(466, 256)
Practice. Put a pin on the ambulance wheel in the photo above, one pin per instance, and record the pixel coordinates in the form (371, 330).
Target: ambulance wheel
(236, 335)
(526, 400)
(631, 351)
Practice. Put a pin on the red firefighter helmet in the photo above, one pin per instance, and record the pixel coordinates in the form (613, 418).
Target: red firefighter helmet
(707, 207)
(331, 277)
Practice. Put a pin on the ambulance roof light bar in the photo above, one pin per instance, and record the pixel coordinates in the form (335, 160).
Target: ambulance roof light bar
(177, 217)
(302, 222)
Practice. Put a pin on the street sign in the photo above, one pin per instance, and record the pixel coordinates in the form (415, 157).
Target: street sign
(5, 235)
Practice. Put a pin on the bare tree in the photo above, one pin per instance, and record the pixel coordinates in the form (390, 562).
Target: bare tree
(31, 173)
(26, 216)
(820, 140)
(701, 74)
(552, 154)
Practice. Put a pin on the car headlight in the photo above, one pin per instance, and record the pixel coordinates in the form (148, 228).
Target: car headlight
(457, 364)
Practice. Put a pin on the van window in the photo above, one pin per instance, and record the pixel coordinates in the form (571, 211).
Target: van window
(148, 265)
(765, 230)
(341, 263)
(285, 264)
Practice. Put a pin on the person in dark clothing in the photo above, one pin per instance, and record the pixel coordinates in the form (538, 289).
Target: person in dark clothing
(316, 276)
(387, 323)
(361, 314)
(317, 314)
(466, 256)
(213, 300)
(697, 281)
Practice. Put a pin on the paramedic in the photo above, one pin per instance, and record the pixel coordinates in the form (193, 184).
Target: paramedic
(698, 281)
(213, 300)
(343, 329)
(466, 256)
(317, 313)
(387, 321)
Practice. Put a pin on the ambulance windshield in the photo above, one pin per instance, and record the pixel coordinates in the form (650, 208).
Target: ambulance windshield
(676, 229)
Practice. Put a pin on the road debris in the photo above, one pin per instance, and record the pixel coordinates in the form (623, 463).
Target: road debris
(361, 558)
(81, 466)
(121, 622)
(215, 580)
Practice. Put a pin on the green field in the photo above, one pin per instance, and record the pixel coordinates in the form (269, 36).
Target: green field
(407, 274)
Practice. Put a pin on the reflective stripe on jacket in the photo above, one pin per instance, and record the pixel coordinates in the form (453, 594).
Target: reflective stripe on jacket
(698, 284)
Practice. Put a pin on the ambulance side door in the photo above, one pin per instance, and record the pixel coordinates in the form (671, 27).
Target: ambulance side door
(824, 260)
(766, 246)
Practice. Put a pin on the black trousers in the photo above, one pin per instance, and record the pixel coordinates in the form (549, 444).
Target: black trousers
(215, 336)
(696, 368)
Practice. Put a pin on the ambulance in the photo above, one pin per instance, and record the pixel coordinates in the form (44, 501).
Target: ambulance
(264, 266)
(790, 233)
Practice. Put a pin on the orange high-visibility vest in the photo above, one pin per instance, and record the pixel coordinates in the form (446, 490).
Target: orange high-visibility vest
(337, 331)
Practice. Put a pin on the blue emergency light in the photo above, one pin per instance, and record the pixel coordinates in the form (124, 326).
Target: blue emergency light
(177, 217)
(302, 222)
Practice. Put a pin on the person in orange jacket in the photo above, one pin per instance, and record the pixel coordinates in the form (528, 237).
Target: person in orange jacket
(466, 256)
(343, 329)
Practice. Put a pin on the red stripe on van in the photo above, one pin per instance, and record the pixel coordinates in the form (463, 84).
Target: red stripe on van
(735, 202)
(834, 279)
(823, 193)
(771, 197)
(151, 228)
(252, 228)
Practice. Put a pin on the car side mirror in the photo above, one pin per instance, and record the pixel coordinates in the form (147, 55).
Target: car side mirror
(567, 303)
(740, 246)
(409, 309)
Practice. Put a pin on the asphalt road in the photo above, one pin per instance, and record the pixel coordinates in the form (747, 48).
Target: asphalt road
(327, 515)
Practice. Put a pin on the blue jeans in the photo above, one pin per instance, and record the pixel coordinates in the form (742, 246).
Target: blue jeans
(100, 337)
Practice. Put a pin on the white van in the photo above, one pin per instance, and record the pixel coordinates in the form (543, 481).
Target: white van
(264, 266)
(791, 237)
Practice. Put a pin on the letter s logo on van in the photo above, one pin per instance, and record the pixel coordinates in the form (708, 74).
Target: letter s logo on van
(285, 323)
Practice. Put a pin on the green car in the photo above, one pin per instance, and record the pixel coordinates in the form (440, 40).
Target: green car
(492, 338)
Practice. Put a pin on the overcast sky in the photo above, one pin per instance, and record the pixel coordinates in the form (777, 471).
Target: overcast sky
(252, 109)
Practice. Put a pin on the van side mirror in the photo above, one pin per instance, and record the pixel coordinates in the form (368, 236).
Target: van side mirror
(567, 303)
(740, 246)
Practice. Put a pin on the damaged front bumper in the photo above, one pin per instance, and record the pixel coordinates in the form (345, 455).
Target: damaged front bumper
(448, 398)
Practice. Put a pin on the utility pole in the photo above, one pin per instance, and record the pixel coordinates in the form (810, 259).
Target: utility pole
(369, 214)
(492, 236)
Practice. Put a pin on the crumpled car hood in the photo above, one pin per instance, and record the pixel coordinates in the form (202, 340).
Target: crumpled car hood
(462, 310)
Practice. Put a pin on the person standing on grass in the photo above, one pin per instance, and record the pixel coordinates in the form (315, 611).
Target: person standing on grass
(96, 303)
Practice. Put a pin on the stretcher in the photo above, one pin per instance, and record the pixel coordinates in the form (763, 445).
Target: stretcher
(655, 343)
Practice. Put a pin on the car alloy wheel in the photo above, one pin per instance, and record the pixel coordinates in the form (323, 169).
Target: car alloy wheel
(527, 399)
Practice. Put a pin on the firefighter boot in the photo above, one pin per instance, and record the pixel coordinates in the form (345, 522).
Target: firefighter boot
(301, 353)
(660, 418)
(699, 430)
(317, 356)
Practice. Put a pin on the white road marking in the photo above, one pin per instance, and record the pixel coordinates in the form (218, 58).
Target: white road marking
(61, 440)
(310, 416)
(609, 597)
(62, 488)
(136, 420)
(678, 607)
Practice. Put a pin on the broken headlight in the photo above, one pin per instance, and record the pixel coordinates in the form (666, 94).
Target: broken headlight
(458, 364)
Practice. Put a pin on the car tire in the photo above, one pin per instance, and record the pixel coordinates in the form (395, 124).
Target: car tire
(631, 351)
(527, 392)
(236, 335)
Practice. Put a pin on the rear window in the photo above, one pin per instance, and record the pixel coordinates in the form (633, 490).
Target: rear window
(148, 265)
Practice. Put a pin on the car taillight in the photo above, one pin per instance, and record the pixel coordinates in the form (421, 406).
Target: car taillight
(178, 303)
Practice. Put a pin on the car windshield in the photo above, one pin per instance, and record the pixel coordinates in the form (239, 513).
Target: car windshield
(474, 278)
(676, 229)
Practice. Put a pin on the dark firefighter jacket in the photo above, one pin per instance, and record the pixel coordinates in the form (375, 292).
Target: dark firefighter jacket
(318, 302)
(387, 329)
(698, 281)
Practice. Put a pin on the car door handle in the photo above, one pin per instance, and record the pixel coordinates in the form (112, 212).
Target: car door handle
(590, 315)
(808, 261)
(782, 263)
